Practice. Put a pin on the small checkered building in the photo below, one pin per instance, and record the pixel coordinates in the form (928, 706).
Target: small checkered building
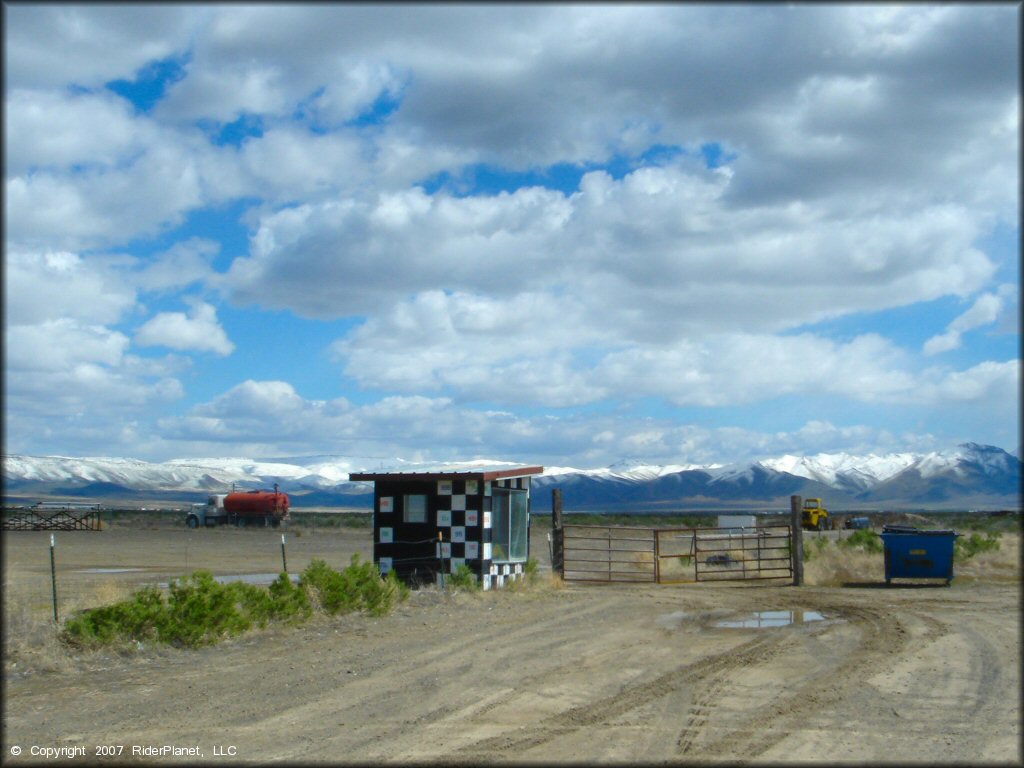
(428, 522)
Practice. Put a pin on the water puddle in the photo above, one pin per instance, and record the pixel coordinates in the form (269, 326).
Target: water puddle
(109, 570)
(766, 619)
(672, 620)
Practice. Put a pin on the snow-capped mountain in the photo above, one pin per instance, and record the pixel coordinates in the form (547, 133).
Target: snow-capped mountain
(971, 475)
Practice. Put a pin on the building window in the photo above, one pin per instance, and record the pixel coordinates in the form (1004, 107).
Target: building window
(509, 525)
(414, 508)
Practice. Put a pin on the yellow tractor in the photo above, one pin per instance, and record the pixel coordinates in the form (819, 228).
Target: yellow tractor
(815, 517)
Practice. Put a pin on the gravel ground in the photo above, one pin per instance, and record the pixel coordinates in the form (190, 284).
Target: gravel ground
(553, 674)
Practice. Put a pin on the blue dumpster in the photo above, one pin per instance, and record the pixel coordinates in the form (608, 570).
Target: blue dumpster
(913, 553)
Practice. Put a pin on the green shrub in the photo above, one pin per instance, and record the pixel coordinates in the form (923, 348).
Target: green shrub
(281, 601)
(201, 611)
(198, 611)
(289, 602)
(137, 618)
(532, 571)
(464, 578)
(969, 546)
(864, 539)
(814, 547)
(328, 587)
(357, 588)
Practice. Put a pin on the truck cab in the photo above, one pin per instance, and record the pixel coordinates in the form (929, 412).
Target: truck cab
(209, 514)
(815, 516)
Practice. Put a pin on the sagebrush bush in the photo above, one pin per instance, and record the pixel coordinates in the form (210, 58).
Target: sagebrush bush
(864, 539)
(137, 618)
(532, 571)
(814, 547)
(199, 610)
(464, 578)
(357, 588)
(966, 547)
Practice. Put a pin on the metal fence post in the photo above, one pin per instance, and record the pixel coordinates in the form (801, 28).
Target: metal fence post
(53, 577)
(657, 557)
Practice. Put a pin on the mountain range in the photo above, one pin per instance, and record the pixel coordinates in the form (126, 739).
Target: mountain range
(968, 477)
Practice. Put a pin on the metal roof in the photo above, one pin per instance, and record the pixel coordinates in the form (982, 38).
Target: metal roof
(449, 471)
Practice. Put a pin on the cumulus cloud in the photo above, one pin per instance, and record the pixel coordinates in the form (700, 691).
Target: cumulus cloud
(198, 330)
(862, 156)
(58, 45)
(56, 285)
(271, 418)
(659, 239)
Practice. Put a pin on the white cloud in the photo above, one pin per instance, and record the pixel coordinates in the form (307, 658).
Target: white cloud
(139, 195)
(56, 45)
(57, 285)
(198, 330)
(481, 347)
(984, 311)
(57, 345)
(270, 418)
(870, 151)
(657, 251)
(50, 130)
(182, 265)
(992, 383)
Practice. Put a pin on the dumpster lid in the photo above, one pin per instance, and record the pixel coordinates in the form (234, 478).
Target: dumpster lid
(917, 531)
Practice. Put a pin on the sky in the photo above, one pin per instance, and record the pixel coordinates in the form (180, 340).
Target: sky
(566, 235)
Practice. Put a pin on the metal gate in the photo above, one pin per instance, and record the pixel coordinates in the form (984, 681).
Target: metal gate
(722, 554)
(606, 553)
(53, 518)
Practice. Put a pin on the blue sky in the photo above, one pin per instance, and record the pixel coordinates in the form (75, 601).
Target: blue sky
(556, 234)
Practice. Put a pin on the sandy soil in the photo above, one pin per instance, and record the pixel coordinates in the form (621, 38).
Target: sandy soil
(576, 673)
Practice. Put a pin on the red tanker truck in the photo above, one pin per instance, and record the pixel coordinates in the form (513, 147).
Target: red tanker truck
(241, 508)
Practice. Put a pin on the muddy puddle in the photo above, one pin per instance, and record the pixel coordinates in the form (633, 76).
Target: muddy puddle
(751, 620)
(766, 619)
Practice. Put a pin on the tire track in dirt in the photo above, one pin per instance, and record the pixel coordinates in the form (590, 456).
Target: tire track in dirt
(882, 635)
(611, 707)
(699, 710)
(435, 671)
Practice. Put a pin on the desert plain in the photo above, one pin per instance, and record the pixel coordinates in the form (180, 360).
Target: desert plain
(839, 670)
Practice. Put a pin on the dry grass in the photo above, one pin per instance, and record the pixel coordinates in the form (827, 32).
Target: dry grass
(1002, 565)
(31, 641)
(832, 566)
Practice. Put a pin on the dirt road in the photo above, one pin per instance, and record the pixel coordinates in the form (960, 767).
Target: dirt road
(573, 674)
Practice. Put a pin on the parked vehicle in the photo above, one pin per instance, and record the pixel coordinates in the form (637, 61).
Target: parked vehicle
(857, 523)
(815, 516)
(241, 508)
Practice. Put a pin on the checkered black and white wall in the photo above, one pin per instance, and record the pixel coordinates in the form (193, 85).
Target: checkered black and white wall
(457, 529)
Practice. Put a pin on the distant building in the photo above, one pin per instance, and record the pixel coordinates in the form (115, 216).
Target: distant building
(428, 522)
(737, 522)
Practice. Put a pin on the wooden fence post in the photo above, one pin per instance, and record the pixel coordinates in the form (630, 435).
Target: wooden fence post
(796, 539)
(557, 534)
